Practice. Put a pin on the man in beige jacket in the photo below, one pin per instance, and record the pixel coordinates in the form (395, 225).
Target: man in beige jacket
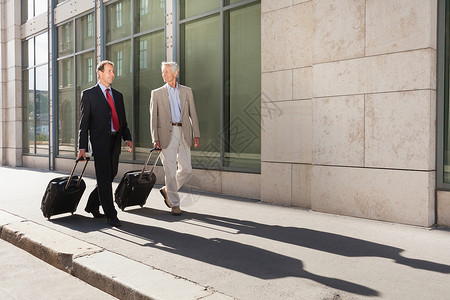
(173, 125)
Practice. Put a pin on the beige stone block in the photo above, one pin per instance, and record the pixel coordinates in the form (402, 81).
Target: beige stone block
(287, 136)
(399, 196)
(276, 183)
(13, 53)
(286, 38)
(13, 94)
(295, 2)
(302, 83)
(384, 73)
(14, 73)
(399, 25)
(277, 85)
(12, 156)
(12, 32)
(339, 30)
(35, 162)
(12, 13)
(338, 131)
(241, 184)
(13, 130)
(301, 185)
(13, 114)
(399, 130)
(443, 208)
(270, 5)
(205, 180)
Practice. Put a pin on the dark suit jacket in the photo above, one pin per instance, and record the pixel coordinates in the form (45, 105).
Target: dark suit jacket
(95, 121)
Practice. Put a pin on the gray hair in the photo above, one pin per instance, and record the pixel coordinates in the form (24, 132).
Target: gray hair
(173, 65)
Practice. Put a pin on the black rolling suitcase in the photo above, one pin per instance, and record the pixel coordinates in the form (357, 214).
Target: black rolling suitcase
(135, 186)
(63, 193)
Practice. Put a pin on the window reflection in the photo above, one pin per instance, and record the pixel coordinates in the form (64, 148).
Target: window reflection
(76, 57)
(35, 95)
(42, 48)
(231, 131)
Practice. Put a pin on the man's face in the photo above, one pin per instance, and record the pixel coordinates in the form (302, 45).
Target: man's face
(107, 76)
(168, 75)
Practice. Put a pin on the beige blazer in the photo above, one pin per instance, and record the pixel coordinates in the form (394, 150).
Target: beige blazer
(161, 120)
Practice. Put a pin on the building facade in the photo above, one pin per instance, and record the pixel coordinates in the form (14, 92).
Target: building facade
(335, 106)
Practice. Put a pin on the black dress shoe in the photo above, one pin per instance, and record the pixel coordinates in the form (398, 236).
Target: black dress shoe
(114, 222)
(96, 213)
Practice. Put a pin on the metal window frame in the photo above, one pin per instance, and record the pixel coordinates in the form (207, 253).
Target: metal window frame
(222, 11)
(441, 95)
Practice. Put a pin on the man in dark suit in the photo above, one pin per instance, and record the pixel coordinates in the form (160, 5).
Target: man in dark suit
(103, 121)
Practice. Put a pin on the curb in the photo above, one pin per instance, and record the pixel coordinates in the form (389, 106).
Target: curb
(112, 273)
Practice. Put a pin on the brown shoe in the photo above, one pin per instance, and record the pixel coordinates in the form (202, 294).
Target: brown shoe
(164, 194)
(176, 211)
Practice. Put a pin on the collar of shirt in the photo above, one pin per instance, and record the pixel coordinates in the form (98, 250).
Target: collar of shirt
(103, 88)
(172, 89)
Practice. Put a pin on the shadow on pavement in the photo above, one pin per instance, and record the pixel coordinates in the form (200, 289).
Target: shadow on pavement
(232, 255)
(313, 239)
(224, 253)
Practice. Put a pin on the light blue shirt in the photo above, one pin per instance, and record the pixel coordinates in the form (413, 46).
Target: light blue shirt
(104, 94)
(174, 102)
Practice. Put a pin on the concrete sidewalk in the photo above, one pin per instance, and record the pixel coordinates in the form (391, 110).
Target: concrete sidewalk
(225, 248)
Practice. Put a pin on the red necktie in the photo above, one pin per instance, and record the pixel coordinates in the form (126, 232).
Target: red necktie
(115, 118)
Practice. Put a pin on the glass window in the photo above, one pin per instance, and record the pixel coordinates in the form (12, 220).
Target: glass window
(76, 72)
(32, 8)
(190, 8)
(149, 14)
(228, 100)
(35, 95)
(41, 108)
(120, 55)
(41, 48)
(117, 19)
(40, 7)
(137, 53)
(65, 39)
(147, 79)
(243, 133)
(85, 32)
(230, 2)
(201, 56)
(29, 126)
(28, 53)
(66, 107)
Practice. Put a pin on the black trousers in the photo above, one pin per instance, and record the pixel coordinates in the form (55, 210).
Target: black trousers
(106, 167)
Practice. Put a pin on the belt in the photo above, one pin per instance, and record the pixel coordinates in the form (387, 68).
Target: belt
(113, 132)
(176, 124)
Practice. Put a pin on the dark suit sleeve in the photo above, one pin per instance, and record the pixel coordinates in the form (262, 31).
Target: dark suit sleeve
(84, 121)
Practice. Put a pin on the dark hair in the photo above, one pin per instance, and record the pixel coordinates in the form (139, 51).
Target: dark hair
(101, 65)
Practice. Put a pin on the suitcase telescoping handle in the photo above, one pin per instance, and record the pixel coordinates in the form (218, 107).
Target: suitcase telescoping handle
(148, 159)
(73, 170)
